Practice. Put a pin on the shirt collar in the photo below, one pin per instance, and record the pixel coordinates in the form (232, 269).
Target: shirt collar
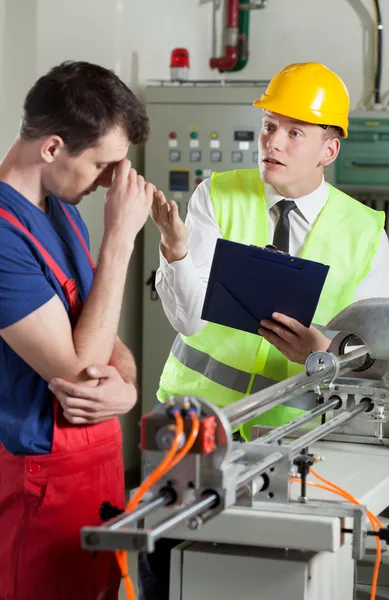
(309, 205)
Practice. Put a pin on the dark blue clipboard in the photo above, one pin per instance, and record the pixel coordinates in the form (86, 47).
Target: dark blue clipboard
(247, 284)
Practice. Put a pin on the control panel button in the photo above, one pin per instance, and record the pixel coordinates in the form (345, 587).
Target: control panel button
(236, 156)
(172, 135)
(195, 156)
(214, 135)
(198, 172)
(194, 135)
(216, 156)
(174, 155)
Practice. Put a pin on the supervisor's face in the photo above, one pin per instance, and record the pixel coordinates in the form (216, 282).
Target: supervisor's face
(290, 151)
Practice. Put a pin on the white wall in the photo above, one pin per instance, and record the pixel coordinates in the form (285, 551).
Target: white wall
(135, 37)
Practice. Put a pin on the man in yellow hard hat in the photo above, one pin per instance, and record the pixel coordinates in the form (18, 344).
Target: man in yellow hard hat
(286, 202)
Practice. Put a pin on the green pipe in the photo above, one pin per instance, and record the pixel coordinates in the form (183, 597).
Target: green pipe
(243, 42)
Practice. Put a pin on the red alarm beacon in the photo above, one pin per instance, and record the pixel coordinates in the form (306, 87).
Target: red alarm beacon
(179, 64)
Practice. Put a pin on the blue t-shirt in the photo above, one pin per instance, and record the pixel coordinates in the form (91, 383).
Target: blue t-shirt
(26, 283)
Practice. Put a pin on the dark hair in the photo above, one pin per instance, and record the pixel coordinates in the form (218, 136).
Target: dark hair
(80, 102)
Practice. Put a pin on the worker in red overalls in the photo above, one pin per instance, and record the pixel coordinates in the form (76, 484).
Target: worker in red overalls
(61, 457)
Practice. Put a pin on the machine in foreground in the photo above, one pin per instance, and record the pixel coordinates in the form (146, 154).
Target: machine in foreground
(252, 522)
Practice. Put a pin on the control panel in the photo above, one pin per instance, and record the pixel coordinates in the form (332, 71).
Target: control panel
(362, 168)
(196, 129)
(192, 139)
(196, 153)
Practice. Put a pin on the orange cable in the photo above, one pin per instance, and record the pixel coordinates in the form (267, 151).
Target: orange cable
(170, 460)
(162, 468)
(374, 521)
(190, 441)
(159, 471)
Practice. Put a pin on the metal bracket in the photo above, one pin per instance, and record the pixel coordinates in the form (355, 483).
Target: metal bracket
(318, 361)
(377, 391)
(328, 509)
(143, 539)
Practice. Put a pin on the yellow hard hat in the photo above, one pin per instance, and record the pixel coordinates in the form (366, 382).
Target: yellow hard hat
(308, 92)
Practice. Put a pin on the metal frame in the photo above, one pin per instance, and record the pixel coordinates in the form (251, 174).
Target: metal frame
(241, 474)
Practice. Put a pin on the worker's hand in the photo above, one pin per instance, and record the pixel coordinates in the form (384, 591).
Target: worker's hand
(293, 339)
(85, 405)
(128, 203)
(174, 235)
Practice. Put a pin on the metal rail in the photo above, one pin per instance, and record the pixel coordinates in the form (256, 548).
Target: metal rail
(280, 393)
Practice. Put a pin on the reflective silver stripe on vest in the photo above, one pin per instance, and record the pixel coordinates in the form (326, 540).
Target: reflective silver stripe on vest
(306, 401)
(231, 378)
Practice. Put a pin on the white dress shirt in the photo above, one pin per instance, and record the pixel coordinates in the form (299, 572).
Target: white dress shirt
(182, 285)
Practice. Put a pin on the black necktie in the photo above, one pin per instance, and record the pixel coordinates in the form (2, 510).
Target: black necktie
(281, 234)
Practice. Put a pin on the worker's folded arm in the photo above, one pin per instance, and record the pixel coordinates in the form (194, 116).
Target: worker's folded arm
(35, 323)
(123, 360)
(181, 285)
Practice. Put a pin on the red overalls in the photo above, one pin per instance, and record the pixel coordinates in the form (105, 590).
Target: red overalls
(46, 499)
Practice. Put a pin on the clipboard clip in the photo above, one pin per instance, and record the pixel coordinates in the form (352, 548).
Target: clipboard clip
(272, 248)
(275, 249)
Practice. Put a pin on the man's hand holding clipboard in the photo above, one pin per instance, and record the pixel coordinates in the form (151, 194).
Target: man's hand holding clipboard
(260, 290)
(293, 339)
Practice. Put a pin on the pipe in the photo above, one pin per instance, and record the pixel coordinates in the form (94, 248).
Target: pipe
(198, 512)
(209, 501)
(261, 467)
(252, 406)
(146, 508)
(323, 430)
(281, 432)
(233, 14)
(379, 40)
(214, 27)
(229, 60)
(243, 36)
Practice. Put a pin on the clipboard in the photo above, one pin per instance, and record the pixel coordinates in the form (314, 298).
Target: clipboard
(248, 283)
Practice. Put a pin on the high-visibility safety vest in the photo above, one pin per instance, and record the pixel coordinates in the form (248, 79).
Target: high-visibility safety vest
(223, 364)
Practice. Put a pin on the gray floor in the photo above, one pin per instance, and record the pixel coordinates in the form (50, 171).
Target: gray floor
(132, 560)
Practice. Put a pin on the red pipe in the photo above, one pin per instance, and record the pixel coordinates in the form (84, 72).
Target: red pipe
(233, 14)
(226, 62)
(230, 58)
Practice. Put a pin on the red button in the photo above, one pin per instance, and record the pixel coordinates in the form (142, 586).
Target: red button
(172, 135)
(198, 180)
(34, 468)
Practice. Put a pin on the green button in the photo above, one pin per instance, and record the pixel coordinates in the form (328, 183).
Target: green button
(193, 135)
(198, 172)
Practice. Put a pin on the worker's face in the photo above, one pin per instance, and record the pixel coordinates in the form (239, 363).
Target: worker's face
(70, 177)
(293, 153)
